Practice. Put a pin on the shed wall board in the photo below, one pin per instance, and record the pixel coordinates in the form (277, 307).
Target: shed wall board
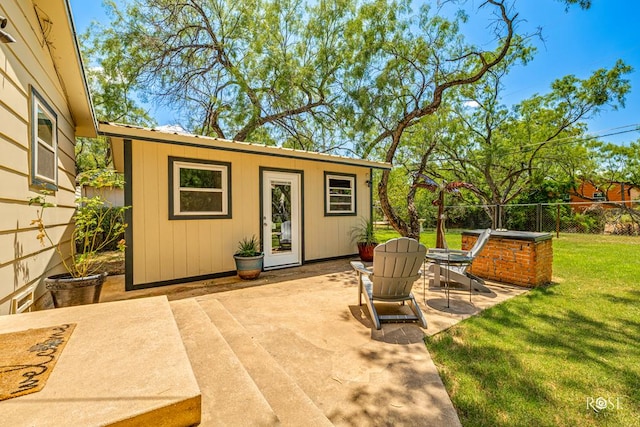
(112, 195)
(25, 64)
(167, 250)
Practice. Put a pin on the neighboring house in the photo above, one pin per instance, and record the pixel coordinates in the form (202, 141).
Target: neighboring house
(194, 198)
(587, 192)
(112, 196)
(44, 105)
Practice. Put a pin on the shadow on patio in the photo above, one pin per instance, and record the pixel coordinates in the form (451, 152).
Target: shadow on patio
(292, 348)
(308, 326)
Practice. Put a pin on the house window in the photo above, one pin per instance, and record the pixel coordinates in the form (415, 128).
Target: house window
(199, 189)
(340, 194)
(599, 196)
(44, 143)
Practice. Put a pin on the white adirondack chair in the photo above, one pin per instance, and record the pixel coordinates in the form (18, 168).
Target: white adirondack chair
(396, 266)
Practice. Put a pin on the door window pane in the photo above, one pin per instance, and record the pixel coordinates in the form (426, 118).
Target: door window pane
(281, 217)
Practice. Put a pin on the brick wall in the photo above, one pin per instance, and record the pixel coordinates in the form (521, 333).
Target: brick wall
(518, 262)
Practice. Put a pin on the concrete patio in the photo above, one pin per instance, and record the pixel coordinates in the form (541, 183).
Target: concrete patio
(294, 348)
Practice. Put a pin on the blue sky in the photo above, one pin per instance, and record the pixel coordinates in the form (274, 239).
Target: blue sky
(575, 42)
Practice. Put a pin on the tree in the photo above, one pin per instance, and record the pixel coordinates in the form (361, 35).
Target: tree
(403, 69)
(112, 88)
(619, 163)
(632, 164)
(261, 70)
(314, 75)
(505, 152)
(584, 4)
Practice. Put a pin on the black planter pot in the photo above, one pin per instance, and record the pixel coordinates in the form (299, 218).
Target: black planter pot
(68, 291)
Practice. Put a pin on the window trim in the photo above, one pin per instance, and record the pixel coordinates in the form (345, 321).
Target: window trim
(175, 163)
(327, 194)
(38, 102)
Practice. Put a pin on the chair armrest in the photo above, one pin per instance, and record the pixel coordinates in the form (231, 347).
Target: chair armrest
(437, 251)
(447, 251)
(360, 268)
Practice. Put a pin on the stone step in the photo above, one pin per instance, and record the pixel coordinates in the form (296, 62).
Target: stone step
(288, 400)
(124, 364)
(229, 395)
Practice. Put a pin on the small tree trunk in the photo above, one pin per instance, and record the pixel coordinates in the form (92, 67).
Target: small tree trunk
(440, 221)
(394, 220)
(414, 217)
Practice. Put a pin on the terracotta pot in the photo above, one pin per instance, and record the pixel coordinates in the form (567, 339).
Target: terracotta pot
(249, 267)
(68, 291)
(366, 251)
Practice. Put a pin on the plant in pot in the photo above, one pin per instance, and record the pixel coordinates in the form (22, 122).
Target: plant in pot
(364, 236)
(96, 226)
(248, 258)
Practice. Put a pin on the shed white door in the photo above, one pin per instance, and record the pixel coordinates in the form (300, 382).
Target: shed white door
(281, 219)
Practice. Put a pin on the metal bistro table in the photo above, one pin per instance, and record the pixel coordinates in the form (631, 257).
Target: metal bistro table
(447, 259)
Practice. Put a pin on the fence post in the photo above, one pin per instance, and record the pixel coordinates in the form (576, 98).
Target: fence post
(539, 217)
(558, 220)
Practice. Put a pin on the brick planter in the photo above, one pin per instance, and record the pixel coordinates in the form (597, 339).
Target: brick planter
(515, 257)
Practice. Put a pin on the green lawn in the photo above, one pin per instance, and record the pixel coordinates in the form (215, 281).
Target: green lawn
(454, 240)
(545, 358)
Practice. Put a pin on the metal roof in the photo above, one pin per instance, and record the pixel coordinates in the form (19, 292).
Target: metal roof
(122, 131)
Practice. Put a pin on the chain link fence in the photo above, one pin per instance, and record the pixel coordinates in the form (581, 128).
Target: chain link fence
(621, 218)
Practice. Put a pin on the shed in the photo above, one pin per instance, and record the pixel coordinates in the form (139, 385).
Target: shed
(193, 198)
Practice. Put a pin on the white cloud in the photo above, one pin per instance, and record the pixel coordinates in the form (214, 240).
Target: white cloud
(471, 104)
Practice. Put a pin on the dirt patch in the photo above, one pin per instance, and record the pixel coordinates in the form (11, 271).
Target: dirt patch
(112, 262)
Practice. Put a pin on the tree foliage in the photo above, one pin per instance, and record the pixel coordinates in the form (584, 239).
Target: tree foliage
(584, 4)
(369, 75)
(405, 64)
(112, 85)
(507, 152)
(261, 70)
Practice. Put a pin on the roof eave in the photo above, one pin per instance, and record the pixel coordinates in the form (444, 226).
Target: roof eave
(65, 43)
(119, 131)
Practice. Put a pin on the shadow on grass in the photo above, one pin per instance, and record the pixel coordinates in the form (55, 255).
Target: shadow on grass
(534, 360)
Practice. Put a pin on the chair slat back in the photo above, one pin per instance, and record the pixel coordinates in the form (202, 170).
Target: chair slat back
(396, 266)
(480, 243)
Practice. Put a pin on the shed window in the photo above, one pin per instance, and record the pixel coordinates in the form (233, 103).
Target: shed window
(44, 143)
(340, 194)
(199, 189)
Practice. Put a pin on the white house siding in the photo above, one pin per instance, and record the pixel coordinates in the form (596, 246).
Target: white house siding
(25, 64)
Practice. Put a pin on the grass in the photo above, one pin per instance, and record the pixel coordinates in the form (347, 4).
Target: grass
(454, 240)
(542, 358)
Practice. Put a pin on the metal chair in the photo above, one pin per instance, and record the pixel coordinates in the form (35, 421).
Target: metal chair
(459, 273)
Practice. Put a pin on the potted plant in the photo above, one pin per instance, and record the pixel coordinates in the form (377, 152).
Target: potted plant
(97, 226)
(249, 258)
(364, 236)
